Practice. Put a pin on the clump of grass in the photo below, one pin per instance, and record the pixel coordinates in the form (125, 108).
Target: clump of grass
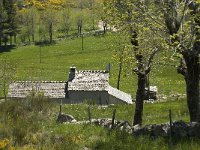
(20, 117)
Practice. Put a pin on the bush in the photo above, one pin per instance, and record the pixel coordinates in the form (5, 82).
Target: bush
(36, 101)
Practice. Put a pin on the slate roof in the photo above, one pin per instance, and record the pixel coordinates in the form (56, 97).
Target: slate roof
(120, 95)
(51, 89)
(89, 80)
(84, 80)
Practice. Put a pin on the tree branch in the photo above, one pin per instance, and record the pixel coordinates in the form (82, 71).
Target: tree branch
(182, 68)
(149, 62)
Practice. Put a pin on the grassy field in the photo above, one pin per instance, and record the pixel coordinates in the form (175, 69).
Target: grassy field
(56, 60)
(31, 124)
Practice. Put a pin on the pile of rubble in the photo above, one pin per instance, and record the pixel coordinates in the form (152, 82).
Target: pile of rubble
(178, 128)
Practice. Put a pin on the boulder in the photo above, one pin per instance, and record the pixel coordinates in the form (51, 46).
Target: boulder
(66, 118)
(124, 126)
(138, 130)
(179, 129)
(194, 129)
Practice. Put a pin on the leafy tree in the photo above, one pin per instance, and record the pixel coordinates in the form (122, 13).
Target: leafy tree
(79, 22)
(121, 53)
(49, 19)
(182, 25)
(176, 24)
(11, 9)
(27, 20)
(66, 21)
(144, 44)
(3, 19)
(7, 70)
(102, 15)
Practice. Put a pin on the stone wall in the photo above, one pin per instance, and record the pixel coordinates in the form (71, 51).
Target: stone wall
(98, 97)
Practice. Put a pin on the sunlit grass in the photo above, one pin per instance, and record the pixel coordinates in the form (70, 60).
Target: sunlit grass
(56, 60)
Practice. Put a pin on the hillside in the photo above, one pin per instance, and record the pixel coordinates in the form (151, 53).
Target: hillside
(56, 60)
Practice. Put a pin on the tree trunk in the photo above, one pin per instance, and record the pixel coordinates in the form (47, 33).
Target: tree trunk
(139, 99)
(80, 30)
(192, 87)
(4, 90)
(0, 42)
(50, 33)
(119, 75)
(5, 41)
(33, 37)
(10, 39)
(15, 38)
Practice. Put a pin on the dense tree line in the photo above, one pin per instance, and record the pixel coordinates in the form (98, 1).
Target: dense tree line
(33, 20)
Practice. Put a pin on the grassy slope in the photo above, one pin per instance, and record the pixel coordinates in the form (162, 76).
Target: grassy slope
(56, 60)
(41, 131)
(97, 53)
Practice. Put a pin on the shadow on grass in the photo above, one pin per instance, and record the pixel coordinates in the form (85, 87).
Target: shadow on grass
(45, 43)
(7, 48)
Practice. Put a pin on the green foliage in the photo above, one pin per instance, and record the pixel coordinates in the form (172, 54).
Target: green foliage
(21, 117)
(56, 60)
(7, 72)
(36, 101)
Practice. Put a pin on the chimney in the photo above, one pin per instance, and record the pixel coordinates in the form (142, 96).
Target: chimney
(72, 73)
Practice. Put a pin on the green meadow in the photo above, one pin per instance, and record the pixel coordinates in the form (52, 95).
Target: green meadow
(25, 127)
(52, 62)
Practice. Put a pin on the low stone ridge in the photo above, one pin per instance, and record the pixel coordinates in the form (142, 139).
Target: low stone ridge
(179, 129)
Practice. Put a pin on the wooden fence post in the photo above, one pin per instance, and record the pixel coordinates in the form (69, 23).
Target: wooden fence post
(113, 119)
(170, 133)
(89, 114)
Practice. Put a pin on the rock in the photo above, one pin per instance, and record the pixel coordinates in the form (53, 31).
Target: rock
(124, 126)
(194, 129)
(66, 118)
(138, 130)
(106, 122)
(95, 121)
(179, 129)
(166, 129)
(157, 130)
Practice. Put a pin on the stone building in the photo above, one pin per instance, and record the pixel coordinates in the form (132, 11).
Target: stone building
(82, 86)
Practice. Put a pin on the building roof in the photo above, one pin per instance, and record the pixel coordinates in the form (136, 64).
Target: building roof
(89, 80)
(80, 80)
(51, 89)
(120, 95)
